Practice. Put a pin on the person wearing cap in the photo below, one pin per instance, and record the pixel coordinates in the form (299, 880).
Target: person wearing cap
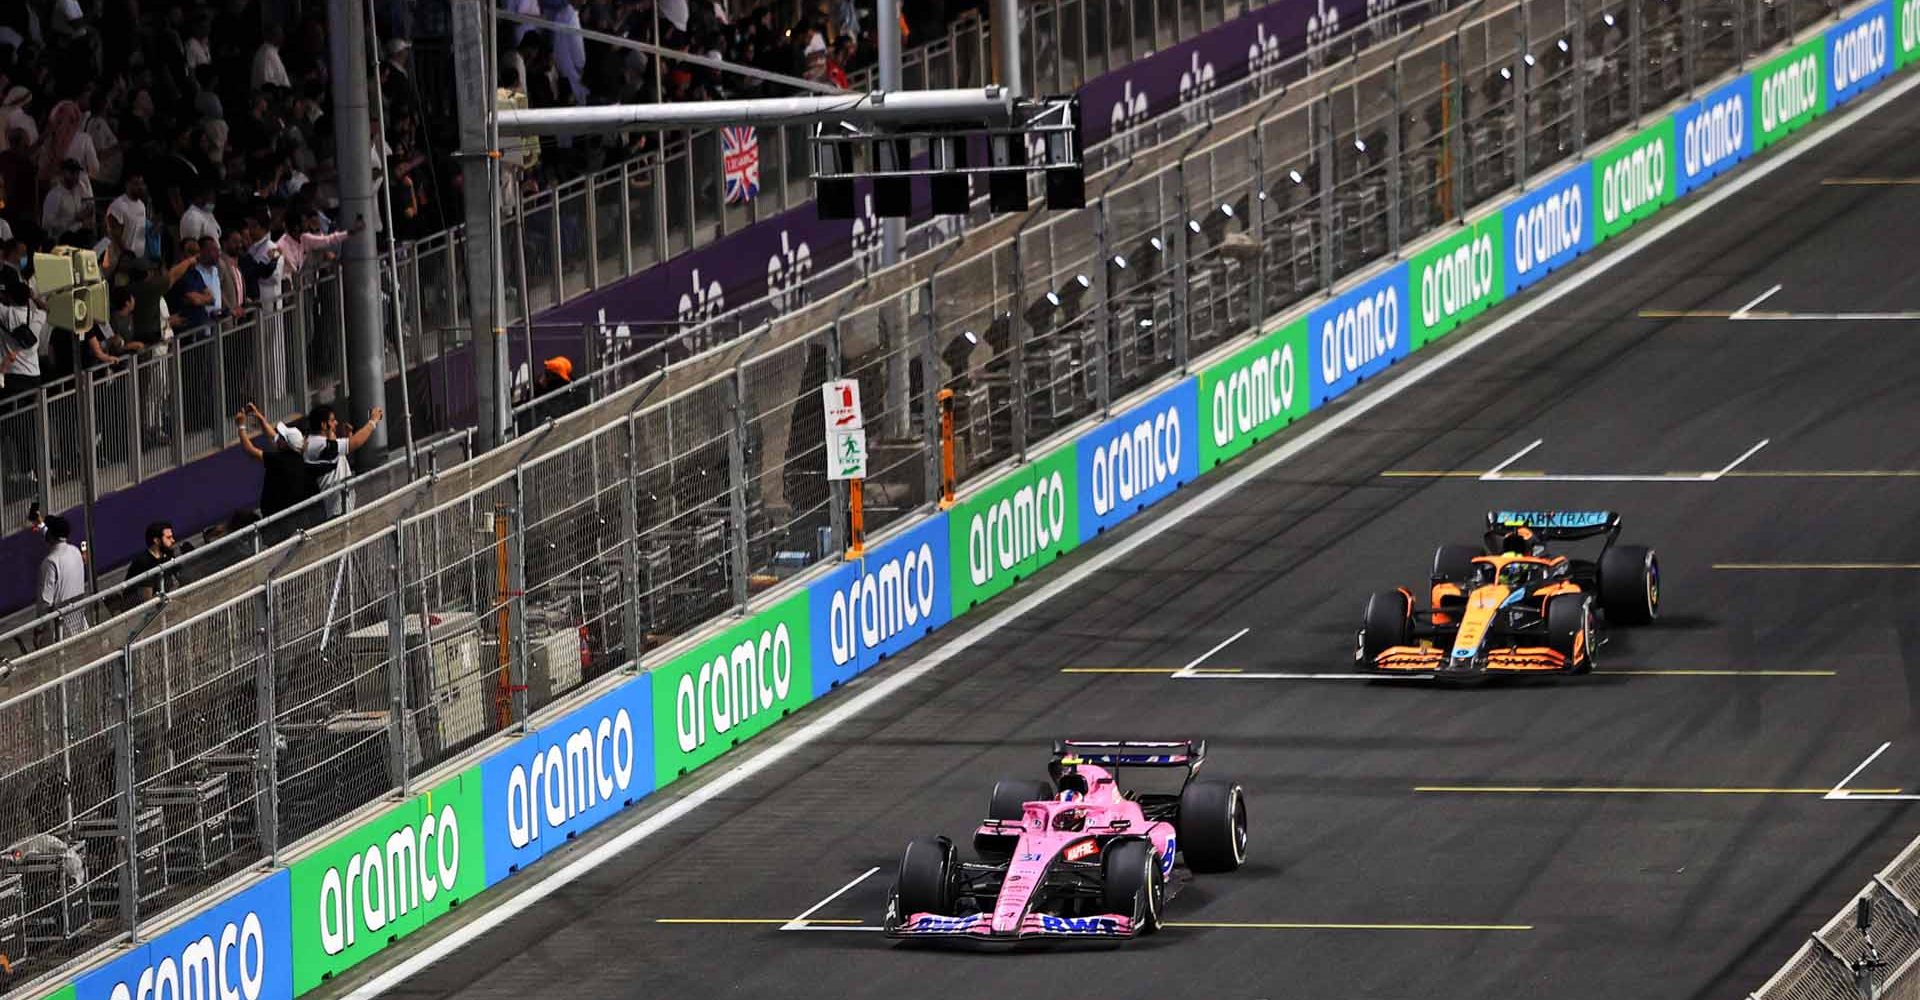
(63, 582)
(68, 207)
(286, 481)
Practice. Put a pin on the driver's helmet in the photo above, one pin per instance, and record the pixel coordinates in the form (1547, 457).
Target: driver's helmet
(1070, 820)
(1519, 574)
(1072, 785)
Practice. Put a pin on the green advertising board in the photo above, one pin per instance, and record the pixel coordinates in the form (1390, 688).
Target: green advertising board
(63, 993)
(1789, 91)
(1457, 280)
(729, 688)
(1014, 527)
(1906, 32)
(386, 879)
(1260, 389)
(1633, 178)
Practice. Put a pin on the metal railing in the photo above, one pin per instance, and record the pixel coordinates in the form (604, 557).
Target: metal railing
(141, 763)
(1836, 963)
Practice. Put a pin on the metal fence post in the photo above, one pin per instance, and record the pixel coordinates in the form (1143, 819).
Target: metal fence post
(1579, 71)
(1637, 59)
(399, 721)
(1689, 41)
(517, 598)
(126, 795)
(836, 490)
(1522, 92)
(89, 456)
(43, 449)
(136, 446)
(930, 386)
(266, 755)
(630, 545)
(1182, 328)
(1323, 149)
(1017, 351)
(737, 488)
(1457, 127)
(1740, 34)
(1395, 168)
(1103, 317)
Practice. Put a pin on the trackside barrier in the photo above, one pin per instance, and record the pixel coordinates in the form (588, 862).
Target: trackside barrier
(283, 933)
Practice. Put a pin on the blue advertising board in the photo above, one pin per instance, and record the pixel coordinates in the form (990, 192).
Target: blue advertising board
(877, 605)
(1358, 335)
(1859, 53)
(240, 947)
(1138, 458)
(1549, 227)
(1713, 133)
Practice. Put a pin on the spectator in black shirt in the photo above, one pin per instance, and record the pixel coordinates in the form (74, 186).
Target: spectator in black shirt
(158, 552)
(287, 482)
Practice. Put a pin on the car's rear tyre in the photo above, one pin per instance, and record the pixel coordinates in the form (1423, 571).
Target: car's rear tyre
(1455, 562)
(925, 882)
(1213, 826)
(1570, 630)
(1630, 585)
(1387, 622)
(1133, 884)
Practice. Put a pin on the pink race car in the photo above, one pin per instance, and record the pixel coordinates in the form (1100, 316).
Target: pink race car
(1074, 857)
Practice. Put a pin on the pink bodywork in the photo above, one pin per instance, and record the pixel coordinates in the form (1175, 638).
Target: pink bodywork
(1106, 812)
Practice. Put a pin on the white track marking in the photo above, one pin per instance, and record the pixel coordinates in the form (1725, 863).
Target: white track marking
(772, 751)
(1829, 317)
(1730, 466)
(1188, 670)
(830, 927)
(1494, 473)
(1741, 313)
(799, 923)
(1839, 789)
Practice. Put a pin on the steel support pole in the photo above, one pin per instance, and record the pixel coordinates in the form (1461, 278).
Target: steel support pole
(352, 111)
(1182, 268)
(1017, 352)
(1457, 129)
(1522, 93)
(474, 84)
(893, 232)
(836, 489)
(737, 488)
(1323, 149)
(1395, 169)
(89, 461)
(266, 748)
(517, 599)
(630, 545)
(1257, 228)
(1579, 78)
(1637, 59)
(1740, 33)
(399, 720)
(1006, 44)
(1103, 316)
(1689, 41)
(930, 385)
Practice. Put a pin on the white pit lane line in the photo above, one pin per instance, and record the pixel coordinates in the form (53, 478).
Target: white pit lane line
(799, 923)
(1840, 794)
(778, 749)
(1188, 670)
(1498, 475)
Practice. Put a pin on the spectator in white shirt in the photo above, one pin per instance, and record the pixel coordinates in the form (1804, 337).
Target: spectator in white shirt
(14, 115)
(66, 140)
(63, 582)
(267, 67)
(68, 208)
(198, 221)
(570, 49)
(127, 220)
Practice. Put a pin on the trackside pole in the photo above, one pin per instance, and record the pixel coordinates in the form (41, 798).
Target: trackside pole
(856, 531)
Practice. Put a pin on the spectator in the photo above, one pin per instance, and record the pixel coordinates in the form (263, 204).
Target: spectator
(68, 207)
(67, 140)
(570, 49)
(14, 115)
(199, 223)
(196, 292)
(23, 328)
(268, 69)
(286, 482)
(159, 552)
(21, 177)
(264, 265)
(326, 451)
(239, 275)
(63, 582)
(302, 240)
(127, 222)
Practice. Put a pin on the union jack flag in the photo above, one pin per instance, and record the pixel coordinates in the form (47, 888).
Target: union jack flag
(740, 159)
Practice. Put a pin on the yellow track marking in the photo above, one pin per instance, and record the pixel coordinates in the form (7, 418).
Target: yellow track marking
(1277, 926)
(1642, 790)
(1817, 566)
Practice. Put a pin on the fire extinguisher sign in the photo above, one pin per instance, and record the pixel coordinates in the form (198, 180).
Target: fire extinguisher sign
(842, 400)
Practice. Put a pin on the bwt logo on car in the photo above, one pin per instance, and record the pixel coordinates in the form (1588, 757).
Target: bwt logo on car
(1633, 181)
(1859, 54)
(733, 687)
(1547, 230)
(1078, 925)
(593, 766)
(1254, 394)
(1790, 93)
(1456, 281)
(878, 605)
(949, 925)
(1360, 334)
(387, 881)
(1136, 460)
(231, 968)
(1017, 528)
(1714, 135)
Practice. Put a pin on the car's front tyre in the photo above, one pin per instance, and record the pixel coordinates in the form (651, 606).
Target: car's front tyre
(1133, 884)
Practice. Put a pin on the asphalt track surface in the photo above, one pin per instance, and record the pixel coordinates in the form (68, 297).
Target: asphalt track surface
(1768, 685)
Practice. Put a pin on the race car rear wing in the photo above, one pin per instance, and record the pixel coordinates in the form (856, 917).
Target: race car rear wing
(1131, 753)
(1565, 525)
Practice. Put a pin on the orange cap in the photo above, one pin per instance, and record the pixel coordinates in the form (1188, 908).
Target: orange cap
(560, 366)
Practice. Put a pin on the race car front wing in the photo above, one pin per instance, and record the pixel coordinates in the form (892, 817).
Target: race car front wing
(979, 927)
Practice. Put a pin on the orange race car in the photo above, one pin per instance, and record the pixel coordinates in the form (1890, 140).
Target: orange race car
(1512, 606)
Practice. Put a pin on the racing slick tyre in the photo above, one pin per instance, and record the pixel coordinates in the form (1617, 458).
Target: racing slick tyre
(1212, 826)
(1570, 630)
(925, 883)
(1630, 585)
(1133, 884)
(1388, 622)
(1011, 794)
(1455, 562)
